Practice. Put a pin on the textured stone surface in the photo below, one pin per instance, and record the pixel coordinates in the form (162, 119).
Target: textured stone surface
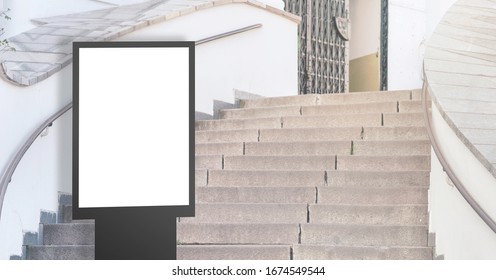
(391, 148)
(208, 162)
(332, 121)
(276, 193)
(219, 149)
(297, 100)
(279, 162)
(363, 108)
(378, 178)
(226, 136)
(275, 234)
(410, 107)
(384, 163)
(403, 119)
(62, 252)
(364, 97)
(372, 196)
(395, 133)
(363, 235)
(369, 215)
(236, 124)
(69, 234)
(256, 195)
(261, 112)
(201, 178)
(312, 148)
(248, 213)
(233, 252)
(310, 134)
(242, 178)
(324, 252)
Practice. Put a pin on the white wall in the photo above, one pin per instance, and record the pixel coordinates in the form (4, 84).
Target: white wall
(407, 24)
(411, 22)
(262, 61)
(46, 167)
(435, 12)
(365, 16)
(460, 232)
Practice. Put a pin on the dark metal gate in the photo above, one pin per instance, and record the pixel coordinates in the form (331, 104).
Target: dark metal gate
(384, 45)
(323, 45)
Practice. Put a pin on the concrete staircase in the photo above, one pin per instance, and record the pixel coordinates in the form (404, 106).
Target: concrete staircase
(341, 176)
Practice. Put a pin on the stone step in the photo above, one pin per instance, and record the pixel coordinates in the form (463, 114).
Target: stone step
(355, 120)
(372, 196)
(394, 133)
(271, 234)
(219, 149)
(201, 177)
(237, 124)
(69, 234)
(403, 119)
(310, 134)
(256, 195)
(261, 112)
(327, 99)
(248, 213)
(410, 107)
(391, 148)
(184, 252)
(364, 235)
(209, 162)
(378, 178)
(384, 163)
(314, 148)
(369, 215)
(226, 136)
(296, 100)
(417, 94)
(321, 110)
(346, 109)
(233, 252)
(279, 162)
(242, 178)
(326, 252)
(365, 97)
(60, 252)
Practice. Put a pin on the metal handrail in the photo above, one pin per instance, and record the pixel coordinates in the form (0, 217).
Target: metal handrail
(11, 167)
(447, 168)
(227, 34)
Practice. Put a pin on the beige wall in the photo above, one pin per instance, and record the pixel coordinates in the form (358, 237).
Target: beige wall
(364, 73)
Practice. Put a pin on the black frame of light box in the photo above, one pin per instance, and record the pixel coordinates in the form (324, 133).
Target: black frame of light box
(169, 210)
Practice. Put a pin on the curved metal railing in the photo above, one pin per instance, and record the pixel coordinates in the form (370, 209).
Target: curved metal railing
(227, 34)
(11, 167)
(447, 168)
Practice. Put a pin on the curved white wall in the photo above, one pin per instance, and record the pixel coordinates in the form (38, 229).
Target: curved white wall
(263, 61)
(460, 232)
(46, 166)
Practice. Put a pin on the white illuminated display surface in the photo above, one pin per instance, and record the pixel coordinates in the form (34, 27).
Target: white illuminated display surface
(133, 127)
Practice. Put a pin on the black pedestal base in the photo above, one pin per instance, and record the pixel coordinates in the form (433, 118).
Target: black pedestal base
(123, 237)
